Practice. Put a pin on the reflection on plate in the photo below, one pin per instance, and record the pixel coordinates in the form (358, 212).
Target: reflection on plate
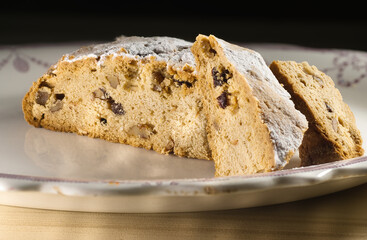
(45, 169)
(71, 156)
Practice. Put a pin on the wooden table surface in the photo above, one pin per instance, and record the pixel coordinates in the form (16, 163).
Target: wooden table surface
(341, 215)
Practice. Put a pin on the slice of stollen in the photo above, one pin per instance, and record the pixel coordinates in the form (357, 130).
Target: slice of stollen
(253, 125)
(135, 90)
(332, 134)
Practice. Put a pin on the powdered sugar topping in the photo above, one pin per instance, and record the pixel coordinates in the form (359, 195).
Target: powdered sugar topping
(176, 52)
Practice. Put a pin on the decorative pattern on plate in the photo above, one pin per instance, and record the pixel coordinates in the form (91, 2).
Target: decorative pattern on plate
(348, 61)
(20, 60)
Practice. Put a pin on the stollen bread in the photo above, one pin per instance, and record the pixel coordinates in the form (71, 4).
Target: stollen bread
(136, 90)
(211, 100)
(332, 134)
(253, 125)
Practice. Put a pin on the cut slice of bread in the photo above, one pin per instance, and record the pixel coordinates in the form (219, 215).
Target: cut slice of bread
(135, 90)
(253, 125)
(332, 133)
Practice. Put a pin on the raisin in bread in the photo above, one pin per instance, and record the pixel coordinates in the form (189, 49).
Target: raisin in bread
(253, 125)
(332, 133)
(135, 90)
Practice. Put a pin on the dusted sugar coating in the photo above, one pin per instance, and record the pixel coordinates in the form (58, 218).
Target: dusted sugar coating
(253, 125)
(332, 133)
(135, 90)
(176, 52)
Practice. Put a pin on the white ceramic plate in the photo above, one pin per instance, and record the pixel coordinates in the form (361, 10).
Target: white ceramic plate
(51, 170)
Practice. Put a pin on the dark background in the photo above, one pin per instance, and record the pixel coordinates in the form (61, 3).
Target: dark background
(301, 23)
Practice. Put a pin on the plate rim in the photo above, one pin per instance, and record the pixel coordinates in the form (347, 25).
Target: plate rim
(302, 173)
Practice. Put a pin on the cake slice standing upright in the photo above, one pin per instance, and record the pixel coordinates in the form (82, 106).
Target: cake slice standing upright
(332, 134)
(253, 125)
